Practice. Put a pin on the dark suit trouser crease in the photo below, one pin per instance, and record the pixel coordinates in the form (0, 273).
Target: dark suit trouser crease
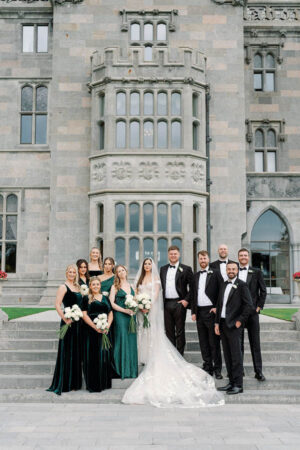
(252, 326)
(175, 314)
(208, 340)
(231, 342)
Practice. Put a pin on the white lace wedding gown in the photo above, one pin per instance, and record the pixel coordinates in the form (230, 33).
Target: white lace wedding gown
(167, 380)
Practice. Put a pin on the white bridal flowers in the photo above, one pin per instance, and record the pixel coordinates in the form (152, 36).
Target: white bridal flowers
(101, 323)
(131, 304)
(73, 313)
(84, 290)
(144, 303)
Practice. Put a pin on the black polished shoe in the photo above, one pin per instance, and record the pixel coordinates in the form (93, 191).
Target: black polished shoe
(218, 376)
(225, 388)
(234, 390)
(260, 377)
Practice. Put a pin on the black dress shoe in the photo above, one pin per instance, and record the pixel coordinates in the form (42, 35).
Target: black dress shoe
(218, 375)
(225, 388)
(260, 377)
(234, 390)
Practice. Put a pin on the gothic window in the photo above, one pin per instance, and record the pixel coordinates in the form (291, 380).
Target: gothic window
(120, 251)
(162, 134)
(148, 248)
(148, 32)
(134, 255)
(162, 217)
(162, 104)
(195, 218)
(121, 134)
(135, 32)
(148, 134)
(265, 150)
(176, 134)
(34, 115)
(176, 217)
(264, 72)
(35, 38)
(121, 104)
(148, 217)
(120, 217)
(8, 232)
(161, 32)
(195, 136)
(134, 104)
(134, 134)
(134, 213)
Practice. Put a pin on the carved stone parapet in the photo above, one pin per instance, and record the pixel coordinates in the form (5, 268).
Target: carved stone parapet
(272, 13)
(273, 186)
(231, 2)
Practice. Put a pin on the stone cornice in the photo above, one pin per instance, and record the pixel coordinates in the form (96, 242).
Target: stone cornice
(52, 2)
(231, 2)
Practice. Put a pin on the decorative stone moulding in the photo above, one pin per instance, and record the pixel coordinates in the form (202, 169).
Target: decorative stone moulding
(274, 12)
(52, 2)
(277, 125)
(266, 46)
(273, 186)
(130, 15)
(231, 2)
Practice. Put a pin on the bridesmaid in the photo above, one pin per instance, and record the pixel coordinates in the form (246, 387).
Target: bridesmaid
(107, 279)
(82, 266)
(96, 361)
(95, 265)
(68, 371)
(125, 359)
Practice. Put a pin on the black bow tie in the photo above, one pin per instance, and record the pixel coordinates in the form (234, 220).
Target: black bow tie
(172, 267)
(229, 282)
(203, 271)
(223, 262)
(243, 268)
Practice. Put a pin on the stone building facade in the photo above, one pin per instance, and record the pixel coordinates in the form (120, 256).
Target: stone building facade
(134, 125)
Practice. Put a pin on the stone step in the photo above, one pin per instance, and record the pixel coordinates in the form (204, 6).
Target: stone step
(30, 356)
(26, 368)
(284, 325)
(28, 334)
(265, 345)
(28, 344)
(265, 397)
(267, 356)
(265, 335)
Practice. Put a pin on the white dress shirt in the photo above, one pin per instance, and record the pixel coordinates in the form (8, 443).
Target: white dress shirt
(223, 270)
(203, 300)
(243, 274)
(226, 295)
(170, 282)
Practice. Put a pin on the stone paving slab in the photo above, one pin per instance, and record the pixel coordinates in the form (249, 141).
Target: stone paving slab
(124, 427)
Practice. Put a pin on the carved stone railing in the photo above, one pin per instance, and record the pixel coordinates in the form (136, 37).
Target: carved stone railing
(273, 186)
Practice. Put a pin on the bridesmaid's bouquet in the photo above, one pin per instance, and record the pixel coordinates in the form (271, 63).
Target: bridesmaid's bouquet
(102, 324)
(144, 302)
(130, 303)
(73, 313)
(84, 290)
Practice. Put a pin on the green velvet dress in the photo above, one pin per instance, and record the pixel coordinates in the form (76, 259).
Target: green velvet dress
(107, 284)
(96, 361)
(125, 356)
(68, 369)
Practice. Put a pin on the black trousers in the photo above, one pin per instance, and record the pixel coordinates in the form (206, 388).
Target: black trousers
(252, 326)
(231, 342)
(175, 314)
(209, 342)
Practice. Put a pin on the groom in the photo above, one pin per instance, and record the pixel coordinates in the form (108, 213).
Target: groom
(177, 284)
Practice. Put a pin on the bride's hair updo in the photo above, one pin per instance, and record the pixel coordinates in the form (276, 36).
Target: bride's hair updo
(143, 272)
(117, 281)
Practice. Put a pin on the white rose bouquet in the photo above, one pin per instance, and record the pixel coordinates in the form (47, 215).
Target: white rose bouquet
(101, 322)
(144, 303)
(75, 314)
(131, 304)
(84, 290)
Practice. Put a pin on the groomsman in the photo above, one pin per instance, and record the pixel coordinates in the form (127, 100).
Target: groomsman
(233, 309)
(177, 284)
(255, 281)
(206, 288)
(220, 264)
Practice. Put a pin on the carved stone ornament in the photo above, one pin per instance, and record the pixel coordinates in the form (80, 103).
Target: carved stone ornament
(197, 172)
(175, 171)
(122, 170)
(148, 170)
(271, 13)
(56, 2)
(98, 172)
(232, 2)
(273, 187)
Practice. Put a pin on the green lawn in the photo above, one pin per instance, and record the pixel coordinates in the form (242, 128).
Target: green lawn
(280, 313)
(15, 313)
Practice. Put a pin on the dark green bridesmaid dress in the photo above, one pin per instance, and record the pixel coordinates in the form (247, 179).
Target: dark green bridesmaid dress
(95, 273)
(68, 369)
(107, 284)
(96, 361)
(125, 356)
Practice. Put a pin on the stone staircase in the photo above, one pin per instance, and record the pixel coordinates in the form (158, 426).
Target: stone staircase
(28, 353)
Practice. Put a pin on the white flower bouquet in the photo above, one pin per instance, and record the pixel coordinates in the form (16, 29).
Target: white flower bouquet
(75, 314)
(131, 304)
(84, 290)
(144, 303)
(101, 322)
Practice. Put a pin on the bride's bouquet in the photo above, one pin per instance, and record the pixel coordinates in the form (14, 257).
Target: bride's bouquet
(84, 290)
(144, 302)
(130, 303)
(73, 313)
(102, 324)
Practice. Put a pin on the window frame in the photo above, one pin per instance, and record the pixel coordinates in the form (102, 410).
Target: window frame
(35, 26)
(4, 213)
(264, 70)
(266, 149)
(33, 113)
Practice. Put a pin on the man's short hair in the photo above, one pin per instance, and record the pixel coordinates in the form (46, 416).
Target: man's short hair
(233, 262)
(173, 247)
(243, 250)
(203, 253)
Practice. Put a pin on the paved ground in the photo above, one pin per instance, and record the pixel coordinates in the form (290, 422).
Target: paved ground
(120, 427)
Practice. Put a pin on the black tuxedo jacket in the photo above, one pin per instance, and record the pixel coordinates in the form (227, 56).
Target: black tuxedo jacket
(257, 287)
(239, 304)
(216, 264)
(214, 280)
(183, 281)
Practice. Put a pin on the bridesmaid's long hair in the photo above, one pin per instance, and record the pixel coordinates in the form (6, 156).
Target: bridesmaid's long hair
(78, 264)
(117, 281)
(73, 266)
(143, 273)
(91, 295)
(99, 259)
(112, 261)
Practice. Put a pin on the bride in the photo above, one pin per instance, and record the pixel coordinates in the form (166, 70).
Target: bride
(167, 379)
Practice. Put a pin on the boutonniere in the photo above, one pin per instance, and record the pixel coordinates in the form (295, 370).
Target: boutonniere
(180, 269)
(250, 271)
(234, 286)
(210, 271)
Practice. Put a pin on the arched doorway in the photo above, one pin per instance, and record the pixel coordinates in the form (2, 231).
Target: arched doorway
(270, 252)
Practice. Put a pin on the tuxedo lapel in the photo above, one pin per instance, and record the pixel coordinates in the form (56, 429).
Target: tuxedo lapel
(249, 275)
(208, 277)
(232, 290)
(177, 277)
(164, 276)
